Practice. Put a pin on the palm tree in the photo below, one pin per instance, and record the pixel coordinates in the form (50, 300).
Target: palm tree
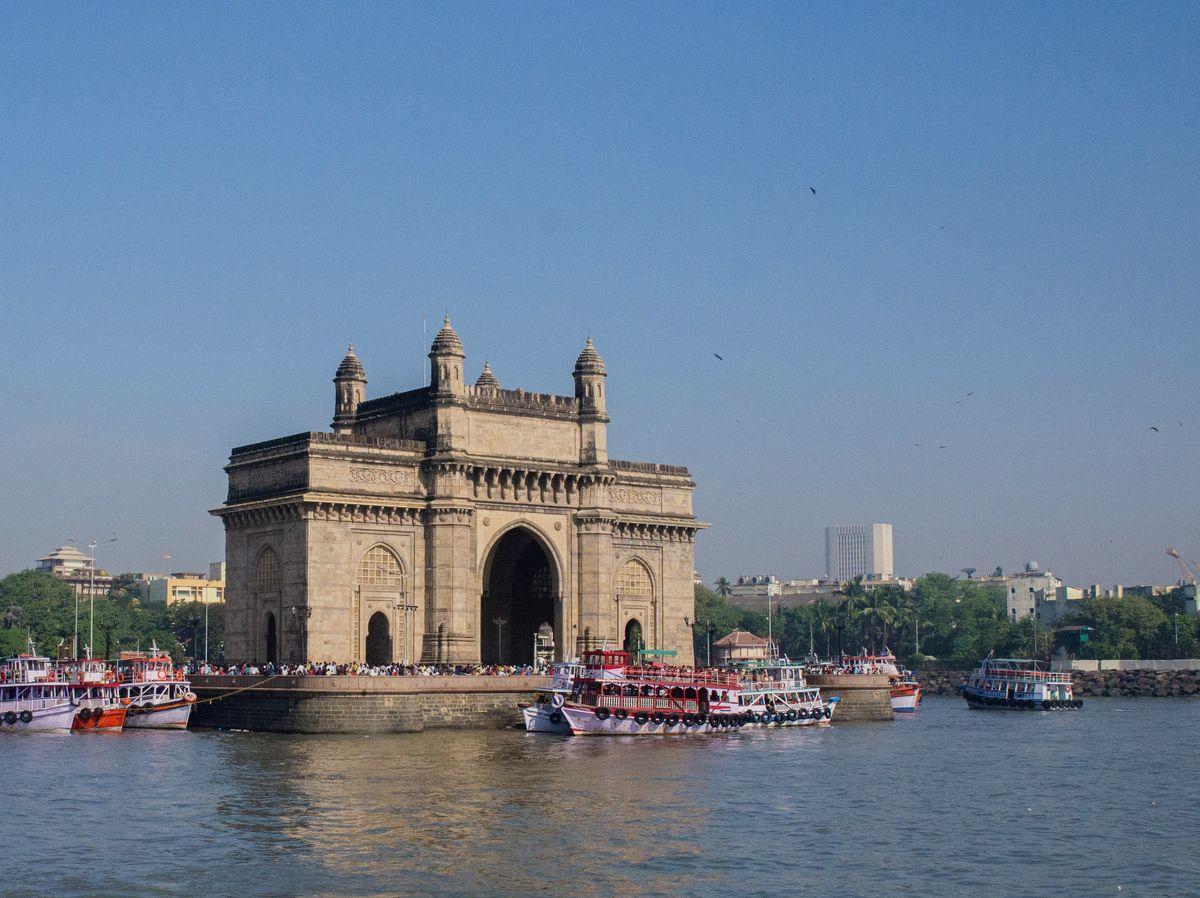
(824, 619)
(875, 614)
(723, 587)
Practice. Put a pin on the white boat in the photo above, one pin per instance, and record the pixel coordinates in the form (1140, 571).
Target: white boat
(544, 713)
(159, 699)
(1019, 685)
(615, 698)
(774, 693)
(32, 697)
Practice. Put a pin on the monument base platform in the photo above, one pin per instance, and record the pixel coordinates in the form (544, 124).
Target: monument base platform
(286, 704)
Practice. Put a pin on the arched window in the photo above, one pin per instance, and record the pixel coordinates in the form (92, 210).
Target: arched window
(266, 574)
(381, 567)
(633, 581)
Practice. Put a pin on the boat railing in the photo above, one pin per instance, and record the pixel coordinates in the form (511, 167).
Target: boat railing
(1015, 673)
(682, 675)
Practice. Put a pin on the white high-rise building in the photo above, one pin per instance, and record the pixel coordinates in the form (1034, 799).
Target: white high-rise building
(859, 550)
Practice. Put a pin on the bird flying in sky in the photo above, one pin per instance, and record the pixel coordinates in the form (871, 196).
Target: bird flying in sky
(1155, 429)
(722, 358)
(814, 190)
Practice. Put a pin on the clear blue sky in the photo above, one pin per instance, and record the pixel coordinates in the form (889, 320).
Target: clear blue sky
(203, 203)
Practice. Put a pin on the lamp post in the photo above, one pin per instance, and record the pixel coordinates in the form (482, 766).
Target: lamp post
(91, 599)
(301, 613)
(499, 620)
(1176, 634)
(708, 632)
(408, 609)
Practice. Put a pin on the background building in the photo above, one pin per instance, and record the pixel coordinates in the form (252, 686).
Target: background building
(74, 567)
(859, 550)
(1024, 591)
(740, 646)
(185, 587)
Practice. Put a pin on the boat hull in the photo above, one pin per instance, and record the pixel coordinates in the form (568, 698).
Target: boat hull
(108, 720)
(979, 702)
(544, 718)
(55, 718)
(906, 699)
(583, 721)
(166, 716)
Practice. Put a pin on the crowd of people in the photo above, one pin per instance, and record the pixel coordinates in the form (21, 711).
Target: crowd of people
(330, 669)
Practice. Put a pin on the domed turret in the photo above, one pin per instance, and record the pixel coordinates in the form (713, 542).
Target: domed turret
(589, 361)
(350, 389)
(446, 361)
(487, 380)
(589, 390)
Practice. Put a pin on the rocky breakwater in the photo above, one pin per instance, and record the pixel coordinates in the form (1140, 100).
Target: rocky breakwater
(1127, 683)
(862, 696)
(286, 704)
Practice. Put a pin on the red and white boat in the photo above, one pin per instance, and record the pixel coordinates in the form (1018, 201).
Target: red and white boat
(158, 697)
(615, 698)
(32, 697)
(94, 691)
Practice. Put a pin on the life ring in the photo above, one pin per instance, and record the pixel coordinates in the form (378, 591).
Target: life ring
(10, 717)
(658, 717)
(621, 713)
(556, 700)
(672, 720)
(26, 716)
(641, 717)
(602, 713)
(556, 717)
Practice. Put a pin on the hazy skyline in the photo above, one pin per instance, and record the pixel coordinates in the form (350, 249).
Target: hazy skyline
(204, 204)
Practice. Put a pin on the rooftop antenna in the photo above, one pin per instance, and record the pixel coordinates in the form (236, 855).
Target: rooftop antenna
(421, 354)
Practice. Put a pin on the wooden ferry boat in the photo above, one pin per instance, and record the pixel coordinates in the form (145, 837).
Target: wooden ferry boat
(775, 693)
(1019, 685)
(158, 697)
(32, 696)
(94, 692)
(615, 698)
(544, 713)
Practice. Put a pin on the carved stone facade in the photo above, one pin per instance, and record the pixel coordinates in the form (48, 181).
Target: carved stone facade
(450, 523)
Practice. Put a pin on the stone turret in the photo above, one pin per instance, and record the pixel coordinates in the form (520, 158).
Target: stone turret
(590, 375)
(487, 380)
(446, 362)
(350, 389)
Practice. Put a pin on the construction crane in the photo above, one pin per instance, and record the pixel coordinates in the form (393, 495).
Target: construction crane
(1191, 574)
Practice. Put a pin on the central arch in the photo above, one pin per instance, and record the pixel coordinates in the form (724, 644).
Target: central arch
(520, 593)
(379, 640)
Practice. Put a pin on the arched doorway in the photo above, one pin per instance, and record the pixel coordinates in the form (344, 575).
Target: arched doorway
(379, 640)
(272, 641)
(633, 636)
(520, 587)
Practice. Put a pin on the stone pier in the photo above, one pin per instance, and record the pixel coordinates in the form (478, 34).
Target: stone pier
(863, 696)
(360, 704)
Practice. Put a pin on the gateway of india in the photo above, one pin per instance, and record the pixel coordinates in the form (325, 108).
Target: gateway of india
(455, 524)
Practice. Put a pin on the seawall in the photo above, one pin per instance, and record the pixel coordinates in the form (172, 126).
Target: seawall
(863, 696)
(1129, 683)
(360, 704)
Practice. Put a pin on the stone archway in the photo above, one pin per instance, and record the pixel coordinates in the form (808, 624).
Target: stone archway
(634, 641)
(520, 593)
(272, 640)
(379, 640)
